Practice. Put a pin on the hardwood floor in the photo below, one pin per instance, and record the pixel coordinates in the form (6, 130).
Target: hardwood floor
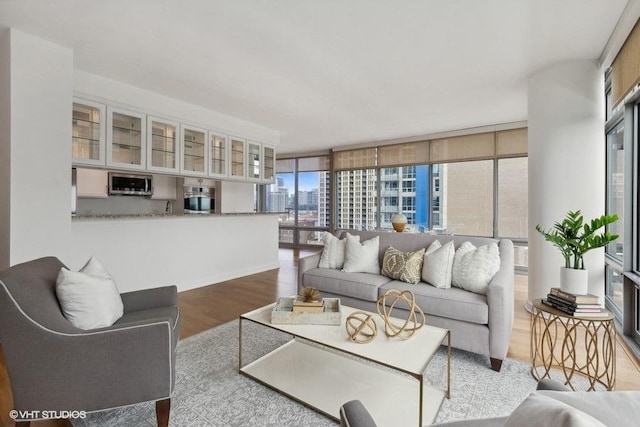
(213, 305)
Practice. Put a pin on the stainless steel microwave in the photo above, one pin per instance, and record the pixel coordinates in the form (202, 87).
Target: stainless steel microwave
(130, 184)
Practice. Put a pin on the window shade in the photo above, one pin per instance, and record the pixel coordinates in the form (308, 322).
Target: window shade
(285, 165)
(319, 163)
(410, 153)
(625, 69)
(480, 145)
(511, 142)
(351, 159)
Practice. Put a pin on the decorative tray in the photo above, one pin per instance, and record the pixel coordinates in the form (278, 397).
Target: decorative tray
(283, 313)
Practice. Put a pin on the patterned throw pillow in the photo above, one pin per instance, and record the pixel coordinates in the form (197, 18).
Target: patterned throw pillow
(405, 266)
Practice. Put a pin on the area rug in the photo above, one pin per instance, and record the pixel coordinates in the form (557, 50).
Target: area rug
(210, 392)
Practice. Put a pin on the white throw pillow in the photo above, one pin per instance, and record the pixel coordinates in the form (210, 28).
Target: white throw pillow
(333, 251)
(361, 257)
(89, 298)
(438, 263)
(543, 411)
(473, 268)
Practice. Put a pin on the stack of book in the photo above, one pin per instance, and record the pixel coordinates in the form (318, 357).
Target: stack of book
(308, 307)
(574, 304)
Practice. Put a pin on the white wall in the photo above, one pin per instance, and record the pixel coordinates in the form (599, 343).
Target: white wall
(36, 182)
(40, 178)
(187, 251)
(5, 149)
(566, 164)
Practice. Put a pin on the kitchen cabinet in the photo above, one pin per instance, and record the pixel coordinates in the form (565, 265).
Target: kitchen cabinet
(126, 139)
(238, 159)
(194, 150)
(269, 169)
(92, 183)
(162, 145)
(254, 160)
(218, 153)
(88, 133)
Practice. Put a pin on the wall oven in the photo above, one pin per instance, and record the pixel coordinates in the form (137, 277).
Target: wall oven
(199, 200)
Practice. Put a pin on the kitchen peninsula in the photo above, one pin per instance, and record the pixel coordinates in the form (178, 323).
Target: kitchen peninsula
(188, 251)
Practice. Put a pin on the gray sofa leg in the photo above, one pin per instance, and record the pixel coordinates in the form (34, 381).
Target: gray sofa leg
(496, 364)
(163, 408)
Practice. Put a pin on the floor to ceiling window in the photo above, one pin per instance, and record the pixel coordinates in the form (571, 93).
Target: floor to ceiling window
(465, 199)
(513, 204)
(474, 185)
(615, 179)
(301, 194)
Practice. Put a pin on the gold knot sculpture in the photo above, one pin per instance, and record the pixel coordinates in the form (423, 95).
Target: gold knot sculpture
(361, 327)
(406, 299)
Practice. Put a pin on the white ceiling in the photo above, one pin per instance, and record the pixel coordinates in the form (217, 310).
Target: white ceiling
(332, 72)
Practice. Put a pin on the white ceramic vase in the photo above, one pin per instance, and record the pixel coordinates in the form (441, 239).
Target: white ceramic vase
(399, 222)
(574, 281)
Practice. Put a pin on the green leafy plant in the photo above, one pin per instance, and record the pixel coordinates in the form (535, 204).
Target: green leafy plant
(574, 238)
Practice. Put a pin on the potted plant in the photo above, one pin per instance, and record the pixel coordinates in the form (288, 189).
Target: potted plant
(574, 238)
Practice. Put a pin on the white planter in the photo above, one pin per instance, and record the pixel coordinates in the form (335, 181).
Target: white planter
(574, 281)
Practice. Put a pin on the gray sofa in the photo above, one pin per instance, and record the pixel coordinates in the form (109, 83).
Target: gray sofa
(478, 323)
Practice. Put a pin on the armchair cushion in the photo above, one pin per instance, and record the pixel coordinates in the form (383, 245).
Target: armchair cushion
(540, 410)
(89, 298)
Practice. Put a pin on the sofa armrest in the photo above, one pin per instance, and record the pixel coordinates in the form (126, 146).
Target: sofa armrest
(500, 294)
(164, 296)
(305, 264)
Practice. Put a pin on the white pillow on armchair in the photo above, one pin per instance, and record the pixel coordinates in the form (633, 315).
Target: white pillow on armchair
(89, 298)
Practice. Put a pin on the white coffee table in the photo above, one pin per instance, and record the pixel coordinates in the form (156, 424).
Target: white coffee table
(317, 368)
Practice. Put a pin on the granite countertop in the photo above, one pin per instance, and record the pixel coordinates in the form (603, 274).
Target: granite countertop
(165, 215)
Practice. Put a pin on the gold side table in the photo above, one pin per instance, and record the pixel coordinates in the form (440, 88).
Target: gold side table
(576, 345)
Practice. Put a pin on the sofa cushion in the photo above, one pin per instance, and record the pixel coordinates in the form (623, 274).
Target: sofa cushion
(363, 286)
(405, 266)
(361, 257)
(438, 264)
(333, 251)
(473, 268)
(452, 303)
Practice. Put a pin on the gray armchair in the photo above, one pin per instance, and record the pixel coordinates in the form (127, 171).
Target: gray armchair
(55, 366)
(559, 407)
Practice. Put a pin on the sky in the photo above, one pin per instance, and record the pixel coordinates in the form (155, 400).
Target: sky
(306, 180)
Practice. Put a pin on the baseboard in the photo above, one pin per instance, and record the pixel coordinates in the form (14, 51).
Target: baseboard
(227, 275)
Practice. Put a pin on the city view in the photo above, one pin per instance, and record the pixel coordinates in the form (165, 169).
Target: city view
(459, 200)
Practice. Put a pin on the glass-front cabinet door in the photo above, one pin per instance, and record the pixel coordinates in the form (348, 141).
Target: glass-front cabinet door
(218, 155)
(254, 164)
(238, 162)
(269, 154)
(194, 147)
(88, 133)
(126, 138)
(162, 144)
